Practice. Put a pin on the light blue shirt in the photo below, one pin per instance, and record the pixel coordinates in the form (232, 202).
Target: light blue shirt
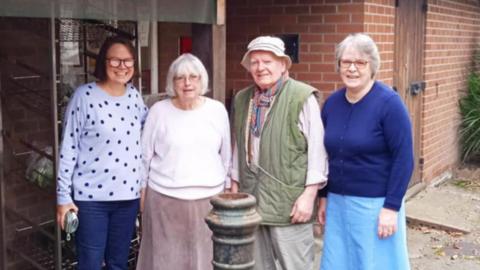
(100, 155)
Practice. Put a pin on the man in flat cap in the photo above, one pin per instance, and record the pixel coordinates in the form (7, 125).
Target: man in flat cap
(279, 155)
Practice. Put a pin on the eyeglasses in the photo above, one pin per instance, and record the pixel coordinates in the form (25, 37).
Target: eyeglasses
(359, 64)
(183, 78)
(115, 62)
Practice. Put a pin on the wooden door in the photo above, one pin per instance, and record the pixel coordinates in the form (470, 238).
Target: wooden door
(408, 67)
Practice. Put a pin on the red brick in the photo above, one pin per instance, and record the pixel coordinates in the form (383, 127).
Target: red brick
(324, 9)
(337, 18)
(299, 68)
(309, 77)
(312, 38)
(295, 28)
(311, 57)
(324, 87)
(297, 10)
(350, 28)
(271, 29)
(335, 38)
(321, 68)
(311, 1)
(271, 10)
(330, 77)
(322, 48)
(284, 19)
(329, 58)
(353, 8)
(285, 2)
(336, 1)
(322, 28)
(310, 19)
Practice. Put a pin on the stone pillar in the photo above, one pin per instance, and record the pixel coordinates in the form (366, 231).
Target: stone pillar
(233, 221)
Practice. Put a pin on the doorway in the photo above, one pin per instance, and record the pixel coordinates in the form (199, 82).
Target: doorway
(408, 79)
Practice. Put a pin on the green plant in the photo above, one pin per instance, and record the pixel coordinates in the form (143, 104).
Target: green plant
(470, 122)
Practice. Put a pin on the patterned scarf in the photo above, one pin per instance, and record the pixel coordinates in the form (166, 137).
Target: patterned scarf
(261, 102)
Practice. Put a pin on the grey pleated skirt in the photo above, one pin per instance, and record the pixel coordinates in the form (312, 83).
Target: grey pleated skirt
(174, 234)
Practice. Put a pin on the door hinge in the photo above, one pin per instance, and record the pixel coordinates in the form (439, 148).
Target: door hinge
(416, 87)
(425, 6)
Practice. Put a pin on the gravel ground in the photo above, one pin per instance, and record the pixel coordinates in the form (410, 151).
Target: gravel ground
(432, 249)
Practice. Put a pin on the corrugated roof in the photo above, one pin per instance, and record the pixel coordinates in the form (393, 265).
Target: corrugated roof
(196, 11)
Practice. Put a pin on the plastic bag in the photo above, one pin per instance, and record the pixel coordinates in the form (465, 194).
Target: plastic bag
(40, 169)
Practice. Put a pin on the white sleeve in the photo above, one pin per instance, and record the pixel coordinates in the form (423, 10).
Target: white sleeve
(234, 171)
(226, 148)
(148, 144)
(310, 123)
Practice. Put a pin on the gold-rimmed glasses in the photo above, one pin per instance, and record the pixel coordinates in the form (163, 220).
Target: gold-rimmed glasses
(184, 78)
(359, 63)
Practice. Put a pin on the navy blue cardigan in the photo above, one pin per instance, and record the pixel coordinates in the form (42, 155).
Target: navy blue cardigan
(369, 145)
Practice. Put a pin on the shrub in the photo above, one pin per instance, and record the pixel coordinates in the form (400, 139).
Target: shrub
(470, 119)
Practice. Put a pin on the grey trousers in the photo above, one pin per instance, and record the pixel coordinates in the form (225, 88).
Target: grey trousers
(284, 247)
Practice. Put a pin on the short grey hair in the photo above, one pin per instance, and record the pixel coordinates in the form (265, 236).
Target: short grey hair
(184, 65)
(365, 45)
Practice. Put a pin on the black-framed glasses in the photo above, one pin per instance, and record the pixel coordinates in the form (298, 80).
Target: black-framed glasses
(115, 62)
(359, 63)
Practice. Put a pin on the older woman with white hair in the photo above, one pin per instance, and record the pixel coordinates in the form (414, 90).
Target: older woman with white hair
(186, 157)
(368, 137)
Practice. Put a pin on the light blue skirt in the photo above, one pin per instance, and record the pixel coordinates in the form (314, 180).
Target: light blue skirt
(351, 240)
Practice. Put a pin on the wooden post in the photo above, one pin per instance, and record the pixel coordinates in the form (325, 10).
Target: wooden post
(209, 44)
(3, 235)
(153, 57)
(219, 41)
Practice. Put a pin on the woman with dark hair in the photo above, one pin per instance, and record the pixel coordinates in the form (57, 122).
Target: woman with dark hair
(100, 159)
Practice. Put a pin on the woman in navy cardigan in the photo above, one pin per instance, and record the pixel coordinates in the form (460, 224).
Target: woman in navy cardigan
(368, 137)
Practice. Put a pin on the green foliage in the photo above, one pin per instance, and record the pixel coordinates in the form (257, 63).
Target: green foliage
(470, 122)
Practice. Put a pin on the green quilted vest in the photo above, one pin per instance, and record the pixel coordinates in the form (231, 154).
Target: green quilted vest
(280, 178)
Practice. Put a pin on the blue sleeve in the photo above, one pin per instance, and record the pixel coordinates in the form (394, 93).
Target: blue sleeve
(143, 109)
(323, 192)
(398, 135)
(74, 121)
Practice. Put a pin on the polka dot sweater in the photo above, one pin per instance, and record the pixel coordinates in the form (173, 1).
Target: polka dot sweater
(100, 155)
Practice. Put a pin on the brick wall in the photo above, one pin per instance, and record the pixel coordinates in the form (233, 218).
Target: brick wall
(452, 35)
(320, 25)
(380, 25)
(168, 47)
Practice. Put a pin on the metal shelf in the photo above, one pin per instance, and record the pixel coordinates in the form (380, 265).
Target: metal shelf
(36, 91)
(38, 249)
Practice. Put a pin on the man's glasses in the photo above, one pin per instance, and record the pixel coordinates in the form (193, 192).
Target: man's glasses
(359, 64)
(115, 62)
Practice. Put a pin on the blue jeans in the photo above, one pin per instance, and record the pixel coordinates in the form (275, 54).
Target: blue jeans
(104, 233)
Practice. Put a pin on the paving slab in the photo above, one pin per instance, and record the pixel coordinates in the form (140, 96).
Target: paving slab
(417, 243)
(445, 207)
